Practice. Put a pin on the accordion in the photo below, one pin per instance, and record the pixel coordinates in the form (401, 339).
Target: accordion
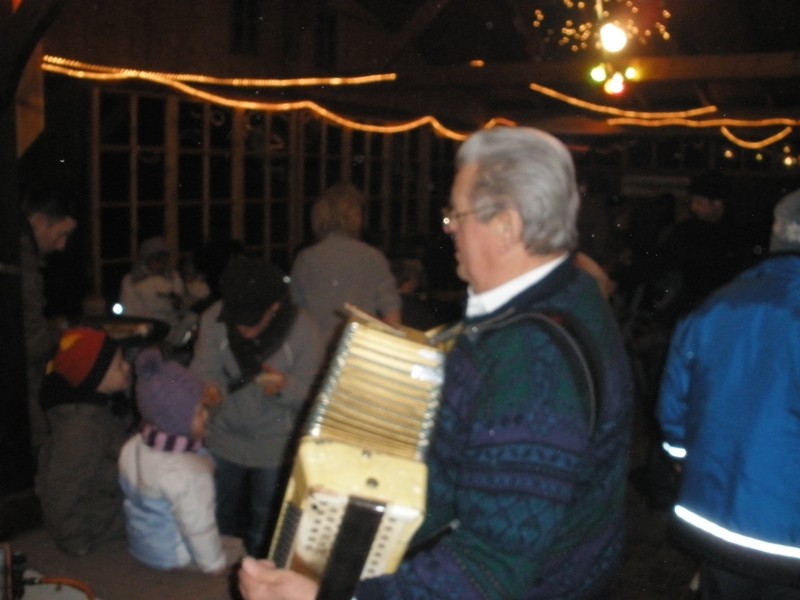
(357, 489)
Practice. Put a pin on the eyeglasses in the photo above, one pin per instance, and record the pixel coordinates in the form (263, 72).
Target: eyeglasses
(451, 217)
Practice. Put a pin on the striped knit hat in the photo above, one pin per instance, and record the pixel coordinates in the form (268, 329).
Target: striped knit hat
(82, 358)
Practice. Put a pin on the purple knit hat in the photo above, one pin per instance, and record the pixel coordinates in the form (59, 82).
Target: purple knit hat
(167, 393)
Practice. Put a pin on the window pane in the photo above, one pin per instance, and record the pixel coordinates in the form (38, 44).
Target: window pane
(358, 172)
(151, 121)
(279, 133)
(190, 228)
(312, 134)
(280, 257)
(697, 153)
(334, 141)
(220, 127)
(279, 177)
(759, 161)
(151, 176)
(413, 143)
(112, 279)
(312, 177)
(376, 179)
(190, 177)
(220, 177)
(220, 226)
(641, 154)
(358, 143)
(279, 223)
(255, 131)
(115, 233)
(115, 176)
(670, 153)
(151, 221)
(254, 176)
(115, 119)
(190, 125)
(254, 224)
(374, 215)
(396, 215)
(333, 172)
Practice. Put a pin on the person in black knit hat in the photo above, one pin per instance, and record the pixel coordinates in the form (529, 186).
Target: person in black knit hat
(263, 352)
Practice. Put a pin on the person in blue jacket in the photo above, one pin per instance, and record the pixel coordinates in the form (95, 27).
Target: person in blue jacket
(729, 408)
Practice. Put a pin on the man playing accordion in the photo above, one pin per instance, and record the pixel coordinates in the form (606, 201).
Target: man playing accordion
(528, 459)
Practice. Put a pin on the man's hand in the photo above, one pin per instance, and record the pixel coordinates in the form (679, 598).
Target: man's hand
(271, 380)
(212, 397)
(262, 580)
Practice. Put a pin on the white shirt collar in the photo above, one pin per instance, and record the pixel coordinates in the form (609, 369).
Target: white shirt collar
(489, 301)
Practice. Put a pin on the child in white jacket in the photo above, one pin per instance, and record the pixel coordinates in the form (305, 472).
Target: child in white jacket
(168, 477)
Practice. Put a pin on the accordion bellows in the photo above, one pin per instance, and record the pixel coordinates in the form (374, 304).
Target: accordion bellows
(358, 485)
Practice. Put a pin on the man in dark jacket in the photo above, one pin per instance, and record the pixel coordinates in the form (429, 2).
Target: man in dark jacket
(46, 227)
(527, 465)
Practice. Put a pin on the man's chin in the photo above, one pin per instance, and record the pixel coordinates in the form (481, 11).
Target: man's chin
(461, 273)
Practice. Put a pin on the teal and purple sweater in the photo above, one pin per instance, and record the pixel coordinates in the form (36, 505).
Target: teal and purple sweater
(531, 488)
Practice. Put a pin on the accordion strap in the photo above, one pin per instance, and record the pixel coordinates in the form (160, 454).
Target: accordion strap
(569, 340)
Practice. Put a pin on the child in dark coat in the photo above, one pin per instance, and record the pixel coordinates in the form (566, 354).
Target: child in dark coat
(84, 399)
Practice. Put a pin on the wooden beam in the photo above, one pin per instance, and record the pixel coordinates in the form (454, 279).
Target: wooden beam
(397, 44)
(776, 65)
(20, 32)
(390, 47)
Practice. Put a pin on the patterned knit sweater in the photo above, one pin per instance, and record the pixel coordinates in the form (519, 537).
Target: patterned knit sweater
(530, 483)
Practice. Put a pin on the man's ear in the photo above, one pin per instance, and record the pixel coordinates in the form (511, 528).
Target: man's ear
(37, 220)
(39, 224)
(509, 223)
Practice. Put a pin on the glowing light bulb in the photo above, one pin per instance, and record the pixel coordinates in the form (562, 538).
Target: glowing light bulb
(615, 84)
(612, 37)
(598, 73)
(631, 73)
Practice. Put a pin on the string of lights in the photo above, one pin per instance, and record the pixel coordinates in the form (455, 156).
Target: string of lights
(77, 69)
(68, 63)
(681, 119)
(755, 145)
(726, 122)
(610, 110)
(180, 83)
(724, 126)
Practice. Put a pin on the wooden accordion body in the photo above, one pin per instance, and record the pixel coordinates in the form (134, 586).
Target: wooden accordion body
(358, 485)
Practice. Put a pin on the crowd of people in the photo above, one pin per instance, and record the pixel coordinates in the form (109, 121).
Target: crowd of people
(528, 464)
(184, 454)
